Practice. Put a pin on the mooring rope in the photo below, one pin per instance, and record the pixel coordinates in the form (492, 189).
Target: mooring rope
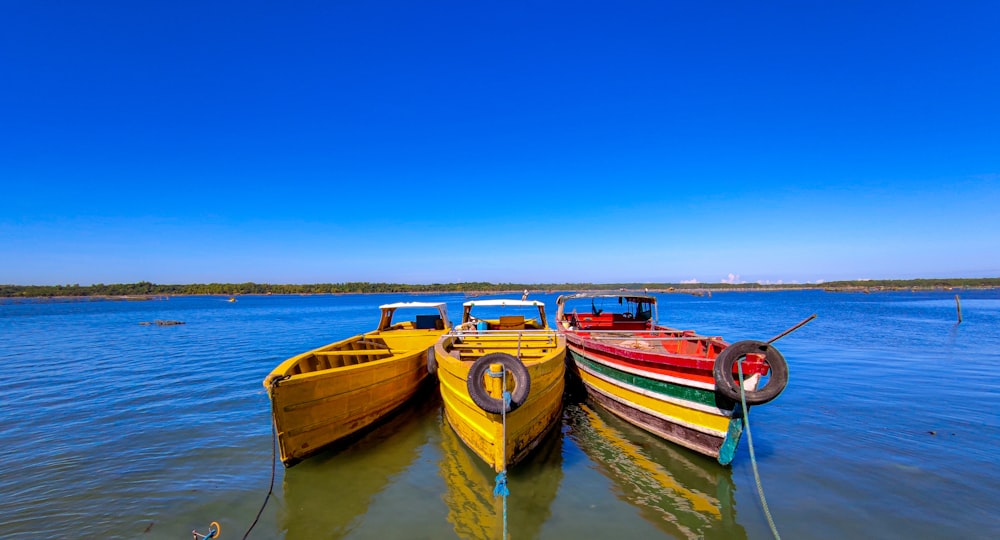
(501, 488)
(274, 459)
(753, 458)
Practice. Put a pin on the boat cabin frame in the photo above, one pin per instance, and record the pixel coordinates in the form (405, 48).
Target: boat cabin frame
(505, 322)
(421, 322)
(638, 307)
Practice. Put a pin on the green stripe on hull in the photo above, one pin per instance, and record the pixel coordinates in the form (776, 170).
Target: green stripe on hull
(628, 411)
(678, 391)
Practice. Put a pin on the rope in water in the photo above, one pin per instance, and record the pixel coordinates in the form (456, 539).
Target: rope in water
(274, 444)
(753, 458)
(501, 488)
(215, 530)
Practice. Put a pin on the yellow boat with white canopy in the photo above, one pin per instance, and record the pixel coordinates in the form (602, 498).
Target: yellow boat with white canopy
(501, 378)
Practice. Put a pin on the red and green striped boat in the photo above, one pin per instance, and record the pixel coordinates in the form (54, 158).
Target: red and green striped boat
(679, 385)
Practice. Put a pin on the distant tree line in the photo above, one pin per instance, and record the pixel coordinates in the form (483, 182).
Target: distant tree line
(145, 288)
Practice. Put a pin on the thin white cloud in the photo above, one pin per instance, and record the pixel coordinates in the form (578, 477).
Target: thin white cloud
(732, 279)
(689, 281)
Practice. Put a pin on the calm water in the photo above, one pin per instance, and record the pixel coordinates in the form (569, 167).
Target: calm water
(889, 428)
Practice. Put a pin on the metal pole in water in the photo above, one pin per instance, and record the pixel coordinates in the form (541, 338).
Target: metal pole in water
(958, 305)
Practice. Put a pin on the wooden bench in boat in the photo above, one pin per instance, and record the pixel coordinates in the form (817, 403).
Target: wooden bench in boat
(511, 322)
(588, 320)
(615, 321)
(472, 356)
(323, 360)
(523, 338)
(350, 353)
(504, 346)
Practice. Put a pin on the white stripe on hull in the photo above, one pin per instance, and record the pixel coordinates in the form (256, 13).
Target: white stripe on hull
(660, 397)
(652, 375)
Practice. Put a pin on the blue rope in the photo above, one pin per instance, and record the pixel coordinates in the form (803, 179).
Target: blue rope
(501, 489)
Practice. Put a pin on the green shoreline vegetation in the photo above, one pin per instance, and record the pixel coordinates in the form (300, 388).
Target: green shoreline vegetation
(147, 289)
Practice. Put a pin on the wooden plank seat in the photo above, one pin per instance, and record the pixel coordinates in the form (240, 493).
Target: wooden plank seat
(472, 356)
(524, 338)
(511, 322)
(353, 353)
(523, 347)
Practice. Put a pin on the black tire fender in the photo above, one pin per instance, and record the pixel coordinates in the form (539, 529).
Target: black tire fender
(432, 365)
(478, 393)
(727, 386)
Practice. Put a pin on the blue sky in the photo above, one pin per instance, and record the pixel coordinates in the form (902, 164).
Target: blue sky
(432, 142)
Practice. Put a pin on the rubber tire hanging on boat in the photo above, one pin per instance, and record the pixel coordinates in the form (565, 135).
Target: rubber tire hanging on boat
(432, 365)
(726, 385)
(482, 398)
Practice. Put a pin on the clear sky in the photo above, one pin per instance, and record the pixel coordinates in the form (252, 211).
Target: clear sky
(500, 141)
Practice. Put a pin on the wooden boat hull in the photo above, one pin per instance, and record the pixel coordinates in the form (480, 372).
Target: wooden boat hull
(326, 395)
(683, 410)
(484, 433)
(314, 411)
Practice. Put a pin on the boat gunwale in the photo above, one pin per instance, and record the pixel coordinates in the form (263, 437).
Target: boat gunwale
(641, 369)
(282, 370)
(645, 356)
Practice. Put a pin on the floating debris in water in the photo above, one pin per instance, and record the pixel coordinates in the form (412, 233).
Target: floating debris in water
(161, 323)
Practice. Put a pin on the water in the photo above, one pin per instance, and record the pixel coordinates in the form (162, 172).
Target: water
(889, 428)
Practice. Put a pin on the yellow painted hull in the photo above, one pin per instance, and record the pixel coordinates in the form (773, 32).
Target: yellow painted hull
(543, 354)
(323, 396)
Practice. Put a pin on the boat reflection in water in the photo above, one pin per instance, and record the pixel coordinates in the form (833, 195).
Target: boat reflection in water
(685, 497)
(328, 495)
(475, 513)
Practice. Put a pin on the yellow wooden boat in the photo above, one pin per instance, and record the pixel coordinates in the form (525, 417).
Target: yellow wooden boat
(324, 395)
(485, 356)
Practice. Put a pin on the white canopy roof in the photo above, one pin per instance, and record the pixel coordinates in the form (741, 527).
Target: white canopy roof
(412, 305)
(503, 302)
(622, 294)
